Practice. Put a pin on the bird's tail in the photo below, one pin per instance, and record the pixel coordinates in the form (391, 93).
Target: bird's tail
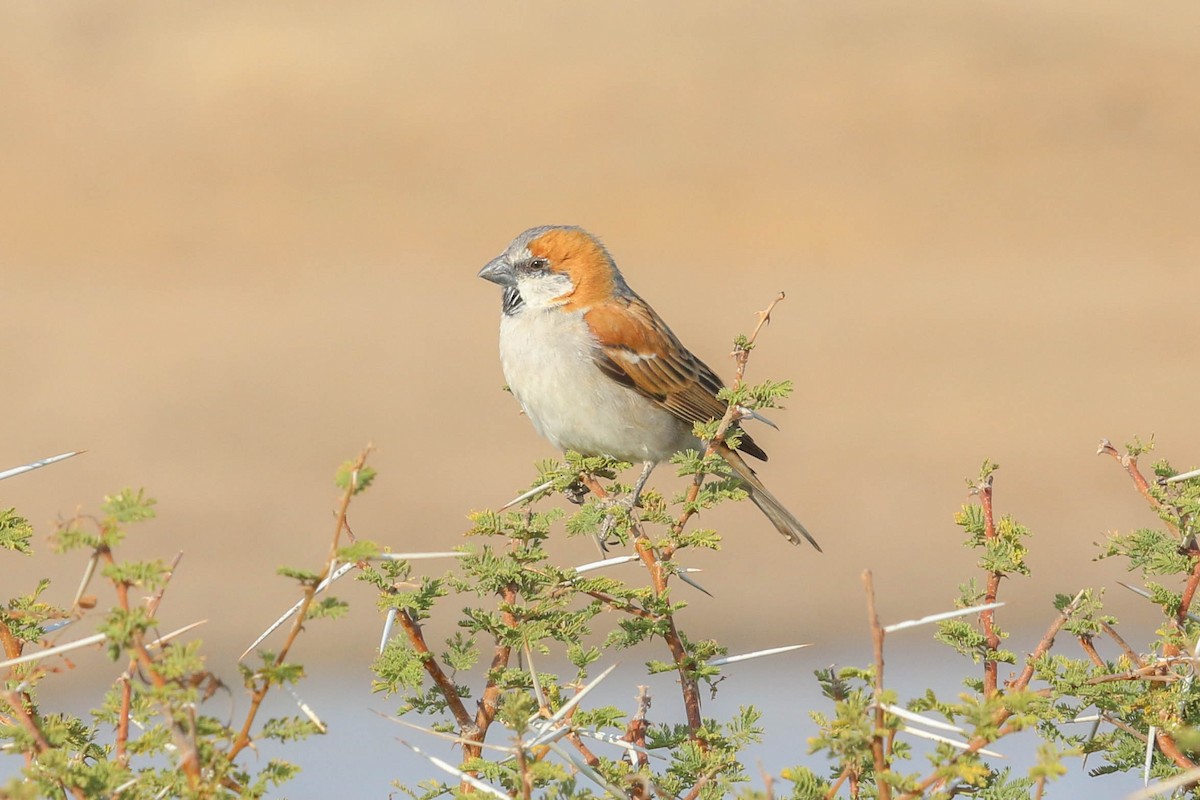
(783, 520)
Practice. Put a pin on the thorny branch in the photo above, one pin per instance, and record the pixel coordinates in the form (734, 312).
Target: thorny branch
(988, 617)
(260, 693)
(741, 356)
(877, 736)
(17, 703)
(1130, 463)
(657, 559)
(185, 740)
(1002, 716)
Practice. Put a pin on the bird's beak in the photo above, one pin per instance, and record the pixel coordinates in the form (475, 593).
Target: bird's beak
(498, 270)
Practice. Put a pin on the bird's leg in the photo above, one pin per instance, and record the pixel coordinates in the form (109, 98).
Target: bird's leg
(647, 468)
(629, 503)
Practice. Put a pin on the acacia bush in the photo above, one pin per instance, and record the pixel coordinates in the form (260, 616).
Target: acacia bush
(521, 730)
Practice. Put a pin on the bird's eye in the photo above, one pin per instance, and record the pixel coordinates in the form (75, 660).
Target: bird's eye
(538, 264)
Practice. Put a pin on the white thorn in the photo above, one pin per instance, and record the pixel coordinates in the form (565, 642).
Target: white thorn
(456, 772)
(416, 556)
(1150, 736)
(947, 740)
(339, 572)
(608, 562)
(388, 624)
(523, 497)
(912, 716)
(962, 612)
(717, 662)
(1173, 479)
(30, 467)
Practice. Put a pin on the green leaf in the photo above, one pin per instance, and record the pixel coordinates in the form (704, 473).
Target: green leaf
(15, 532)
(129, 506)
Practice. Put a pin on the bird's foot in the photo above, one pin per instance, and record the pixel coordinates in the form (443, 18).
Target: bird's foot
(577, 492)
(616, 510)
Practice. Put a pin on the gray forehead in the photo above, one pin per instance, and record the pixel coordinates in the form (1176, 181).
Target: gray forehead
(520, 245)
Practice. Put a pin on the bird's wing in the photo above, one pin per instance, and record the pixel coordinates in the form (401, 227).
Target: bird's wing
(638, 350)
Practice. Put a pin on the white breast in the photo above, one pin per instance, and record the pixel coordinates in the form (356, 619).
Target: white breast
(548, 364)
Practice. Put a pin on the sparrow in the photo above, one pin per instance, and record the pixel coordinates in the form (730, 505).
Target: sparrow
(597, 371)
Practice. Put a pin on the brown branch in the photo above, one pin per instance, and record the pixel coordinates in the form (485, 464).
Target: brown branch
(445, 686)
(1002, 716)
(1189, 590)
(1116, 637)
(988, 617)
(40, 743)
(768, 782)
(877, 637)
(704, 780)
(1171, 750)
(123, 718)
(635, 731)
(523, 770)
(1086, 643)
(833, 790)
(654, 561)
(621, 605)
(185, 741)
(589, 757)
(260, 693)
(126, 679)
(741, 356)
(972, 747)
(490, 699)
(1043, 647)
(12, 648)
(1129, 463)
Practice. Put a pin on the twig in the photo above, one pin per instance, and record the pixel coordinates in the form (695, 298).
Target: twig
(40, 743)
(741, 356)
(1002, 716)
(877, 637)
(833, 790)
(635, 731)
(123, 715)
(988, 617)
(655, 561)
(621, 605)
(12, 648)
(1130, 464)
(768, 782)
(260, 693)
(1166, 743)
(1044, 645)
(1189, 589)
(1086, 643)
(490, 699)
(1116, 637)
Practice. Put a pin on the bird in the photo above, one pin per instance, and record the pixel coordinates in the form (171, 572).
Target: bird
(598, 371)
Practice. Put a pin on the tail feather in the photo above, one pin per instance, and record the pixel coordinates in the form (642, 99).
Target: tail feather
(783, 520)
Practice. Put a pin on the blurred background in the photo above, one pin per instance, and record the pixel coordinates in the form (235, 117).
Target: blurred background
(239, 241)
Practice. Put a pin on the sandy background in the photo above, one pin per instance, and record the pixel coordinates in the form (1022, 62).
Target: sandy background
(237, 242)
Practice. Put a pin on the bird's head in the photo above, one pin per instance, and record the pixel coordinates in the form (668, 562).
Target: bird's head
(555, 265)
